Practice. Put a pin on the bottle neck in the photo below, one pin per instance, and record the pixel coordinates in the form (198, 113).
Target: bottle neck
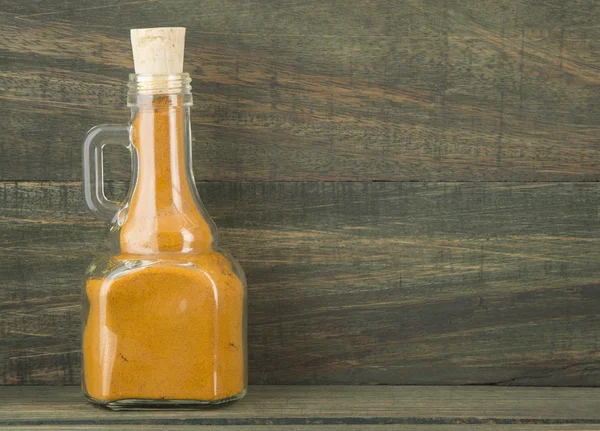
(161, 137)
(165, 214)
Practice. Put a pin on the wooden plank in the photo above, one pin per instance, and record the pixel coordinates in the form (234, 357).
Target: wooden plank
(316, 427)
(324, 405)
(396, 283)
(129, 427)
(286, 90)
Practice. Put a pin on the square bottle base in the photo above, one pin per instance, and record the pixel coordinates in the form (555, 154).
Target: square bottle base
(161, 404)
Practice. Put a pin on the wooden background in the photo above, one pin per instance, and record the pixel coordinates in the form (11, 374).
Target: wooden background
(410, 185)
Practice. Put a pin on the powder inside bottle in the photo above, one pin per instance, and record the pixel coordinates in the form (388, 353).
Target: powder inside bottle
(171, 326)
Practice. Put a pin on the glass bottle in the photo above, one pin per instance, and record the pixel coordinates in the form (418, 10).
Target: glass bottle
(164, 313)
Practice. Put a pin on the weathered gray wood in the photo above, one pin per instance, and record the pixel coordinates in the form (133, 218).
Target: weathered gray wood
(320, 90)
(324, 405)
(412, 283)
(315, 427)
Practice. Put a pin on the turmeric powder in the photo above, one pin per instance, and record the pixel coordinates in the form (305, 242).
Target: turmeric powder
(166, 316)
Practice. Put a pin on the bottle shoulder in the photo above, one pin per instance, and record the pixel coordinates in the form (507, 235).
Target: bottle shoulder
(216, 268)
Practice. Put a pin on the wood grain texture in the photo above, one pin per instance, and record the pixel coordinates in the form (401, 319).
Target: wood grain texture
(315, 427)
(319, 90)
(390, 283)
(325, 405)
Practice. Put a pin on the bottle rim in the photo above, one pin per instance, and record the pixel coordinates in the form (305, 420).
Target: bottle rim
(178, 84)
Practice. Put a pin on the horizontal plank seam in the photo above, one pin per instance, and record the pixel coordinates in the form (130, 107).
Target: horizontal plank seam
(69, 182)
(410, 420)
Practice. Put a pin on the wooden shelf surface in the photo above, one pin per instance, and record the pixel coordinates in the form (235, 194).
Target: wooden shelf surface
(325, 407)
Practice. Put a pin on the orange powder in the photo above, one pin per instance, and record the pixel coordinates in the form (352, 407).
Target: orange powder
(166, 321)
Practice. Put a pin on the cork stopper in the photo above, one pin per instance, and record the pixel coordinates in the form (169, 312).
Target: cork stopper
(158, 51)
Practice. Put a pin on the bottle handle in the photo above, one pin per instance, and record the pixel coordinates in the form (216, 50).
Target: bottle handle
(93, 173)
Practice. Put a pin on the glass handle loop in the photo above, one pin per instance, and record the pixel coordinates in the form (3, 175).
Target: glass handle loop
(93, 173)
